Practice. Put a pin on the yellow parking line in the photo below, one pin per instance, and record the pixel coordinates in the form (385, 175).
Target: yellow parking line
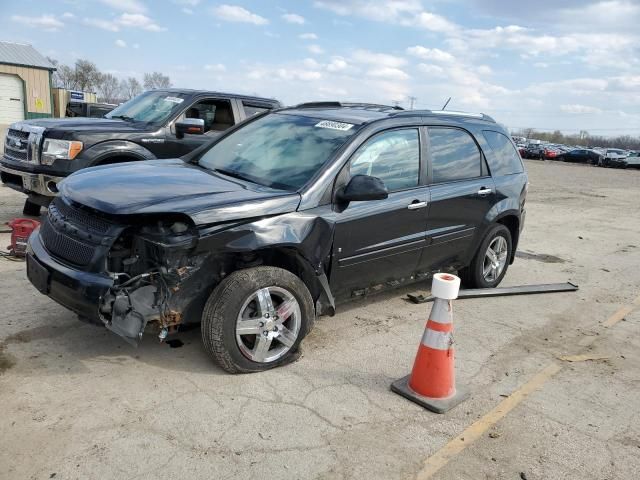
(477, 429)
(618, 315)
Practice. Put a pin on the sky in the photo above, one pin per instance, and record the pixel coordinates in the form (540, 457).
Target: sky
(547, 64)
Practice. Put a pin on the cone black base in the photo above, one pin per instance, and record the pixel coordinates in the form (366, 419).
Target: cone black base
(437, 405)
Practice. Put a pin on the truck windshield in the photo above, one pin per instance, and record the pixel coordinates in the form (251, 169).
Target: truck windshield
(151, 107)
(278, 150)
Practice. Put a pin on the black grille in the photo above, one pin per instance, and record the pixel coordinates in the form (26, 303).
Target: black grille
(15, 154)
(65, 247)
(79, 217)
(18, 134)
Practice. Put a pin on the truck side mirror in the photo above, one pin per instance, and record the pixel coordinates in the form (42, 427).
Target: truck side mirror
(362, 188)
(192, 126)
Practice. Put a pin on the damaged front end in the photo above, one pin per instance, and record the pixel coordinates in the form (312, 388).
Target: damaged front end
(153, 269)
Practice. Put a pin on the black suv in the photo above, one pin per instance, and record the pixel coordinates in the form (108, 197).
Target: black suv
(38, 154)
(272, 223)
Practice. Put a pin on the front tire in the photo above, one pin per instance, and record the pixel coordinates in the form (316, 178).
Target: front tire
(256, 318)
(491, 261)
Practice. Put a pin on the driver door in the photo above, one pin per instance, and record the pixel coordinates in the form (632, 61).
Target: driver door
(381, 241)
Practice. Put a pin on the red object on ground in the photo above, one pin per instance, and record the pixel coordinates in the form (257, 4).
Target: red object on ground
(21, 228)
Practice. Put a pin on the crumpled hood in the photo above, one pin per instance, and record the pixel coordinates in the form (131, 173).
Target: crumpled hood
(173, 186)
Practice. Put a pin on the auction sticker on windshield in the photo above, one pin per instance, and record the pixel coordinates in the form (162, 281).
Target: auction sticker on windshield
(174, 99)
(334, 125)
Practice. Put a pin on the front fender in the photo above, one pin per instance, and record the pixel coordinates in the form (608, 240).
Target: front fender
(102, 151)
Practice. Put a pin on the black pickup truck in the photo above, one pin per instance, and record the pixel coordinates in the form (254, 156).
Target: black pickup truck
(156, 124)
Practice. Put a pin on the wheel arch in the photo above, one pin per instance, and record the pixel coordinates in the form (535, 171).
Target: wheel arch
(116, 151)
(512, 221)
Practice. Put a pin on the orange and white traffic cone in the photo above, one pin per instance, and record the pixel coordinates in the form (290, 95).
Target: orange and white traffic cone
(431, 383)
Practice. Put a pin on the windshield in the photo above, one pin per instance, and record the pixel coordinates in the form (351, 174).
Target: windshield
(151, 107)
(279, 150)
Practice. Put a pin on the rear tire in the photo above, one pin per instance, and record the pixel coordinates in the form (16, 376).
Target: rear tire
(475, 275)
(31, 209)
(242, 297)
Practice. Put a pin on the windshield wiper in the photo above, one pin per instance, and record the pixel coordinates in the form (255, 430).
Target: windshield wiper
(234, 174)
(124, 117)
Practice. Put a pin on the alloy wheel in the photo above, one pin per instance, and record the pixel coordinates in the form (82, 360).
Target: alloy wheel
(495, 259)
(268, 324)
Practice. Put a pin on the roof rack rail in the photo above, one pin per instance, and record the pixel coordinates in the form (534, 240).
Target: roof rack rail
(364, 106)
(481, 116)
(318, 105)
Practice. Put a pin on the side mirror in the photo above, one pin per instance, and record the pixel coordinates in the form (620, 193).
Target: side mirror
(192, 126)
(362, 188)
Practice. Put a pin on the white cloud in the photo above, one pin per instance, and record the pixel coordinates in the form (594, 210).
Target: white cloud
(308, 36)
(100, 23)
(121, 43)
(378, 59)
(293, 18)
(216, 67)
(131, 6)
(188, 11)
(68, 15)
(136, 45)
(337, 64)
(389, 73)
(433, 54)
(579, 109)
(235, 13)
(46, 22)
(137, 20)
(434, 70)
(315, 49)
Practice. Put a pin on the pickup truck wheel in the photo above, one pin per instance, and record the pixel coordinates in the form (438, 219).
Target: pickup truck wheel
(256, 318)
(490, 264)
(31, 209)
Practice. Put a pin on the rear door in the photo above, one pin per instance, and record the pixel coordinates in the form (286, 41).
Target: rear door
(462, 193)
(381, 240)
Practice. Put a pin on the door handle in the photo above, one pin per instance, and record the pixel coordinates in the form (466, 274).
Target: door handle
(416, 205)
(484, 191)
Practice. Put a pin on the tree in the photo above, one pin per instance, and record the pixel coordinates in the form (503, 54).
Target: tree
(130, 87)
(87, 75)
(108, 88)
(156, 80)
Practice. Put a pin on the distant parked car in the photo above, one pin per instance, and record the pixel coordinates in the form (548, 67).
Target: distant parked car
(534, 150)
(550, 153)
(614, 157)
(633, 160)
(581, 156)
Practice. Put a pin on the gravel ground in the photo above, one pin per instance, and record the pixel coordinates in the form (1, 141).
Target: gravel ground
(79, 403)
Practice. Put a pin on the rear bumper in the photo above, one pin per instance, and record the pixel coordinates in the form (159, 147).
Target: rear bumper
(27, 182)
(76, 290)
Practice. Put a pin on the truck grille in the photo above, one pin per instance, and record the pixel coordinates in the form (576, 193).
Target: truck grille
(72, 234)
(16, 145)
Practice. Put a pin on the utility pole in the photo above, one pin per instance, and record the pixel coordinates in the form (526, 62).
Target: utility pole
(412, 101)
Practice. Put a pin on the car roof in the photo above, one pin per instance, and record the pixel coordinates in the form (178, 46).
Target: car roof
(362, 113)
(189, 91)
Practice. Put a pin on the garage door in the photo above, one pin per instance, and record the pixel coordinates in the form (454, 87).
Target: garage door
(11, 99)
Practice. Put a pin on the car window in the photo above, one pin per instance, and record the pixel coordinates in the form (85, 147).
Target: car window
(393, 157)
(215, 113)
(454, 155)
(250, 109)
(507, 160)
(154, 107)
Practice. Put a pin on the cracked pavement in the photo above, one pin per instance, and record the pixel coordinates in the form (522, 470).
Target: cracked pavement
(80, 403)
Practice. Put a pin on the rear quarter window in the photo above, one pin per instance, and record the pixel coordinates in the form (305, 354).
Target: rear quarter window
(505, 159)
